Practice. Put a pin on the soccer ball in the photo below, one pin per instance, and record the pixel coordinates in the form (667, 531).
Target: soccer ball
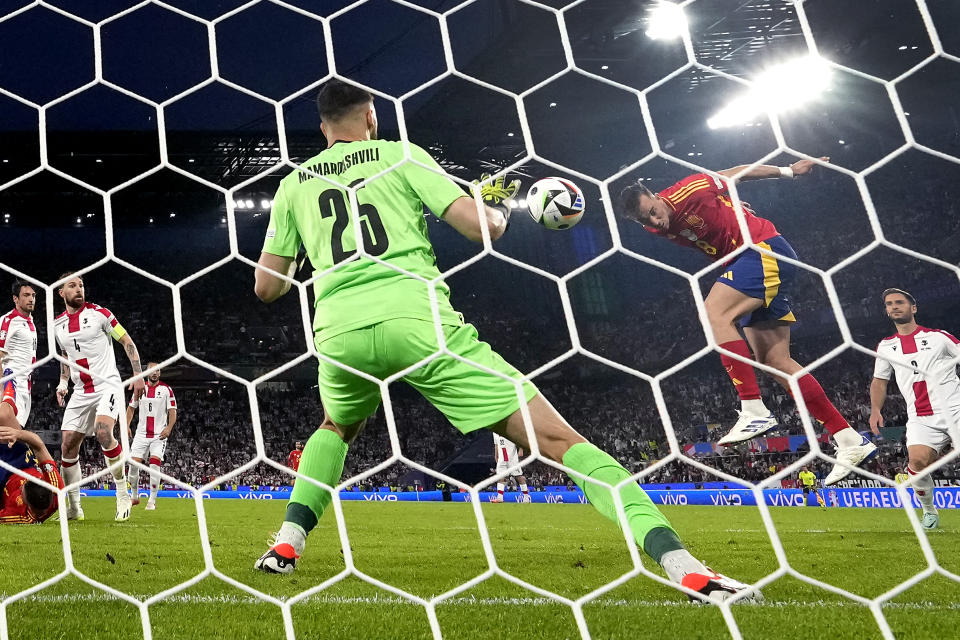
(555, 203)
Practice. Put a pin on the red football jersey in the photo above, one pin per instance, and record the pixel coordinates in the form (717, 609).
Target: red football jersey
(14, 509)
(293, 460)
(704, 217)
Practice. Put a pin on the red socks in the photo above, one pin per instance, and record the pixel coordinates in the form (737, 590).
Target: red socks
(742, 375)
(819, 406)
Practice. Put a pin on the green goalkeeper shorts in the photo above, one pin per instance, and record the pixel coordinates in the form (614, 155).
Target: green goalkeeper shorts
(470, 398)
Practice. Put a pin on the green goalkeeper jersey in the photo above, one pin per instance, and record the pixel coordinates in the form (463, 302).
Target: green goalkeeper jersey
(315, 212)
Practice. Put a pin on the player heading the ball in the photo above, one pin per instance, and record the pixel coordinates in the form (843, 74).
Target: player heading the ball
(930, 386)
(379, 321)
(752, 292)
(84, 334)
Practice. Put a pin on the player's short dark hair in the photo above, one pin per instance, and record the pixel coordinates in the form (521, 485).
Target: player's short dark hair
(887, 292)
(336, 99)
(630, 198)
(18, 285)
(66, 274)
(37, 497)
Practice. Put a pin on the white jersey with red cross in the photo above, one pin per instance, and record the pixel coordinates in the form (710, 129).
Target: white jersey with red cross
(18, 341)
(934, 393)
(87, 339)
(506, 450)
(152, 407)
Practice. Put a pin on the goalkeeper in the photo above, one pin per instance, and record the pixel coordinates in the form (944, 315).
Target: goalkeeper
(379, 320)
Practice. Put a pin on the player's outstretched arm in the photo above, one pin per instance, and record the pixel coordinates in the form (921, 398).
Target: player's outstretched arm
(765, 171)
(878, 394)
(267, 286)
(462, 215)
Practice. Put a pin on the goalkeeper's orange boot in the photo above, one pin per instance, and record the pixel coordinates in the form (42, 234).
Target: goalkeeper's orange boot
(279, 558)
(717, 587)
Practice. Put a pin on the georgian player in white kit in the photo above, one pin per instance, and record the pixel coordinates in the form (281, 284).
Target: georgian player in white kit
(83, 334)
(933, 397)
(158, 414)
(18, 353)
(507, 456)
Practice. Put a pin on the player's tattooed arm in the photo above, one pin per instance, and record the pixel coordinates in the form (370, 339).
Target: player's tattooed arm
(134, 356)
(765, 171)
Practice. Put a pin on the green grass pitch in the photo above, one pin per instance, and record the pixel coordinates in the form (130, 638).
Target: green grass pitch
(430, 548)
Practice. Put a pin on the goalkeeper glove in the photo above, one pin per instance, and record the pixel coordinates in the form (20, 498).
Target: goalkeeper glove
(498, 193)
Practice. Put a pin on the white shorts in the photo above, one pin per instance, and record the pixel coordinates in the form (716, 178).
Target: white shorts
(83, 409)
(513, 469)
(18, 395)
(935, 432)
(146, 448)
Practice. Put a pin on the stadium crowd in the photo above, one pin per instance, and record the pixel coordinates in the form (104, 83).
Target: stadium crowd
(214, 432)
(223, 326)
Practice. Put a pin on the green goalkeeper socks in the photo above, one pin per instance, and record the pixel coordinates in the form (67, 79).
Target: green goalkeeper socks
(322, 460)
(650, 528)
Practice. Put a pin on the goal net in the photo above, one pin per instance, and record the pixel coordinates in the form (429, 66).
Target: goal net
(146, 140)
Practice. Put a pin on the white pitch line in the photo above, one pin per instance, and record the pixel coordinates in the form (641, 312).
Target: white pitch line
(472, 601)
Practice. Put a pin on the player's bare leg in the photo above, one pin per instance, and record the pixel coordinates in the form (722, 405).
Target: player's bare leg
(771, 344)
(70, 470)
(322, 460)
(725, 305)
(8, 416)
(113, 453)
(920, 456)
(559, 442)
(133, 479)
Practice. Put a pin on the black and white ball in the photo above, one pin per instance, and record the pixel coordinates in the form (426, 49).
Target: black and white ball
(556, 203)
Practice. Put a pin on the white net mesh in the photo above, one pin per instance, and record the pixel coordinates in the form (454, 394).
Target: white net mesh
(323, 25)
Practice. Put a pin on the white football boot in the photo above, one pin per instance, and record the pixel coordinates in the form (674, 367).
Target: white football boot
(124, 504)
(749, 426)
(930, 521)
(853, 456)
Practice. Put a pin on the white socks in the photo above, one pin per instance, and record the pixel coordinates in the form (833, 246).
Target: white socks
(500, 487)
(119, 472)
(754, 407)
(523, 489)
(679, 563)
(70, 470)
(923, 489)
(848, 437)
(293, 535)
(133, 475)
(154, 481)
